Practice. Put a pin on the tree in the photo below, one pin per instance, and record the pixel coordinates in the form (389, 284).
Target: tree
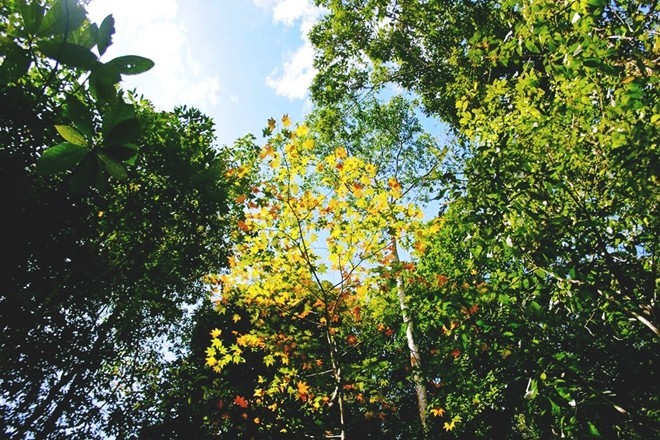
(555, 109)
(314, 229)
(109, 205)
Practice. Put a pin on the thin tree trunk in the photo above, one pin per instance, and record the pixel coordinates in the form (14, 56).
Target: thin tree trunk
(336, 369)
(415, 356)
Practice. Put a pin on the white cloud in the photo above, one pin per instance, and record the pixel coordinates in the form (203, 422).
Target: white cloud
(150, 28)
(298, 73)
(295, 76)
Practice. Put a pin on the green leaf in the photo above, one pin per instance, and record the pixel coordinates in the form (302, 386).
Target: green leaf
(86, 175)
(593, 430)
(15, 65)
(62, 157)
(131, 64)
(64, 16)
(32, 15)
(102, 83)
(71, 134)
(80, 115)
(124, 132)
(69, 54)
(119, 113)
(106, 30)
(86, 37)
(114, 168)
(121, 153)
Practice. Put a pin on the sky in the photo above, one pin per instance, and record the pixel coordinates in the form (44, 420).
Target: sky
(239, 61)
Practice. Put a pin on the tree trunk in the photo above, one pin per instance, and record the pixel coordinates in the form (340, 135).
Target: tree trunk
(415, 357)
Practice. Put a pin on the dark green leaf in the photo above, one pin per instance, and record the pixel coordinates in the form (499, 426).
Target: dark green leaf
(131, 64)
(80, 115)
(106, 30)
(69, 54)
(122, 153)
(102, 82)
(65, 16)
(86, 175)
(123, 132)
(15, 65)
(120, 112)
(32, 14)
(62, 157)
(114, 168)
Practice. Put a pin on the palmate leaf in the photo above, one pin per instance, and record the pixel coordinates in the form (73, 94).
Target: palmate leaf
(61, 157)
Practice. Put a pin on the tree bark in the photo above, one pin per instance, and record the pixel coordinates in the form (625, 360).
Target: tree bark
(415, 356)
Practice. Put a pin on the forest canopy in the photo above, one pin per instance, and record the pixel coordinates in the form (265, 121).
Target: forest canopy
(353, 274)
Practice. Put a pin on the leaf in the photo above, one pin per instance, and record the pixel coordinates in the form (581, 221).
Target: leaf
(71, 134)
(69, 54)
(593, 430)
(241, 401)
(114, 168)
(61, 157)
(80, 115)
(32, 14)
(64, 16)
(86, 37)
(86, 175)
(119, 113)
(16, 63)
(124, 132)
(102, 82)
(437, 412)
(303, 390)
(130, 64)
(106, 30)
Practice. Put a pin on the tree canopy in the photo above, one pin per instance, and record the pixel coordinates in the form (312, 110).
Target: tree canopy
(353, 275)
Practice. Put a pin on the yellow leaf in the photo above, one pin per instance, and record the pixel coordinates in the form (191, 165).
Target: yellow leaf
(215, 333)
(211, 361)
(303, 390)
(236, 317)
(302, 130)
(286, 121)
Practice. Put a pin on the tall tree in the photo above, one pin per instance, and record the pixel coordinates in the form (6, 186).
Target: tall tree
(390, 135)
(108, 204)
(556, 110)
(315, 226)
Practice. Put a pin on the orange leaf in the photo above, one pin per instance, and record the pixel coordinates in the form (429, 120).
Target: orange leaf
(303, 390)
(241, 401)
(437, 412)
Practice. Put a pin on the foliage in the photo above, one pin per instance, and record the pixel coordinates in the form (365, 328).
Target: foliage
(313, 269)
(107, 205)
(552, 232)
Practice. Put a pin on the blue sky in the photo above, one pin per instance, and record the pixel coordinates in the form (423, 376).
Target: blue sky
(240, 61)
